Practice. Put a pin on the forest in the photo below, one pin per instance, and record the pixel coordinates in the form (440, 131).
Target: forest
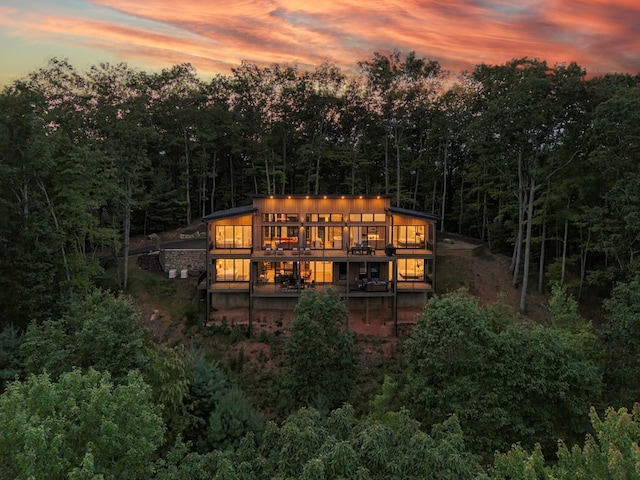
(539, 162)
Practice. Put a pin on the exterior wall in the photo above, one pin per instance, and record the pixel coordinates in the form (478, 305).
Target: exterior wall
(338, 261)
(183, 259)
(230, 300)
(412, 299)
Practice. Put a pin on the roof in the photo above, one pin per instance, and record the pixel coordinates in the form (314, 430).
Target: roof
(231, 212)
(321, 196)
(414, 213)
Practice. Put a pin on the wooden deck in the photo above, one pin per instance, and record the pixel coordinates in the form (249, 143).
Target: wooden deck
(375, 254)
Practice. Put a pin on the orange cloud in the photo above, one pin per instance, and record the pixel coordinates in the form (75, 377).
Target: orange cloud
(600, 35)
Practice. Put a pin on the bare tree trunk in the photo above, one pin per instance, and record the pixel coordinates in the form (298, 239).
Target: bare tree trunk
(127, 230)
(583, 262)
(527, 248)
(55, 223)
(284, 166)
(386, 164)
(255, 178)
(398, 185)
(444, 186)
(461, 204)
(203, 183)
(433, 194)
(564, 250)
(317, 187)
(214, 173)
(353, 169)
(517, 249)
(24, 199)
(187, 158)
(542, 252)
(415, 189)
(485, 220)
(233, 189)
(266, 172)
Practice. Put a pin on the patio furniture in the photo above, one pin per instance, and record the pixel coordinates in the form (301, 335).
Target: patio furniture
(361, 249)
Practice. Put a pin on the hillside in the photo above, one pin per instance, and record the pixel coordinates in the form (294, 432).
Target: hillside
(462, 263)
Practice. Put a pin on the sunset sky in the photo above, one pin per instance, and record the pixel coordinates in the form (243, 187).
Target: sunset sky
(216, 35)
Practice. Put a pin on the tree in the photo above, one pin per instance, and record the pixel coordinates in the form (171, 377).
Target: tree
(98, 330)
(321, 360)
(616, 149)
(494, 376)
(621, 344)
(32, 271)
(206, 387)
(529, 109)
(309, 446)
(399, 89)
(121, 127)
(81, 426)
(232, 419)
(10, 365)
(612, 453)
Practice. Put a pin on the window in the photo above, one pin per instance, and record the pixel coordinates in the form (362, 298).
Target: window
(275, 236)
(323, 217)
(232, 270)
(342, 271)
(370, 235)
(279, 217)
(324, 237)
(233, 236)
(409, 236)
(367, 217)
(411, 270)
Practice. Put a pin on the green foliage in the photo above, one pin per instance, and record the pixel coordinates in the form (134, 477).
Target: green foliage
(495, 377)
(370, 448)
(621, 344)
(564, 312)
(321, 360)
(167, 372)
(231, 420)
(612, 454)
(10, 367)
(518, 464)
(98, 330)
(81, 426)
(206, 386)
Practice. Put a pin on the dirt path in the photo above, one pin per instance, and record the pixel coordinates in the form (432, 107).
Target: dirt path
(487, 277)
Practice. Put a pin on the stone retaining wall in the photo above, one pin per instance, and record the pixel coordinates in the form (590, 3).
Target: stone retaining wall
(177, 259)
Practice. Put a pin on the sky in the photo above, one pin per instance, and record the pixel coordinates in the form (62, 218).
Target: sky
(602, 36)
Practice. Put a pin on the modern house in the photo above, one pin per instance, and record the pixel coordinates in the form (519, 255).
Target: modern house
(379, 258)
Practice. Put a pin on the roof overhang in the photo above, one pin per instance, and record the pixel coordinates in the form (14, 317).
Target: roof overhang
(231, 212)
(413, 213)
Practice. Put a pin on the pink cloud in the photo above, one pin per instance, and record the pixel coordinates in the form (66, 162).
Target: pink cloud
(599, 35)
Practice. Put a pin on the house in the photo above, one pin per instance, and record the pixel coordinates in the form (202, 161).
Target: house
(261, 256)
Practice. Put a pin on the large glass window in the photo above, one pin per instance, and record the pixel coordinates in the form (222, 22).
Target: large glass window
(367, 217)
(372, 236)
(409, 236)
(324, 237)
(279, 217)
(323, 217)
(411, 270)
(280, 236)
(233, 236)
(232, 270)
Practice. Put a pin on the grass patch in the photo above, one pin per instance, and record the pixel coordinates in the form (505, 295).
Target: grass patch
(452, 274)
(177, 297)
